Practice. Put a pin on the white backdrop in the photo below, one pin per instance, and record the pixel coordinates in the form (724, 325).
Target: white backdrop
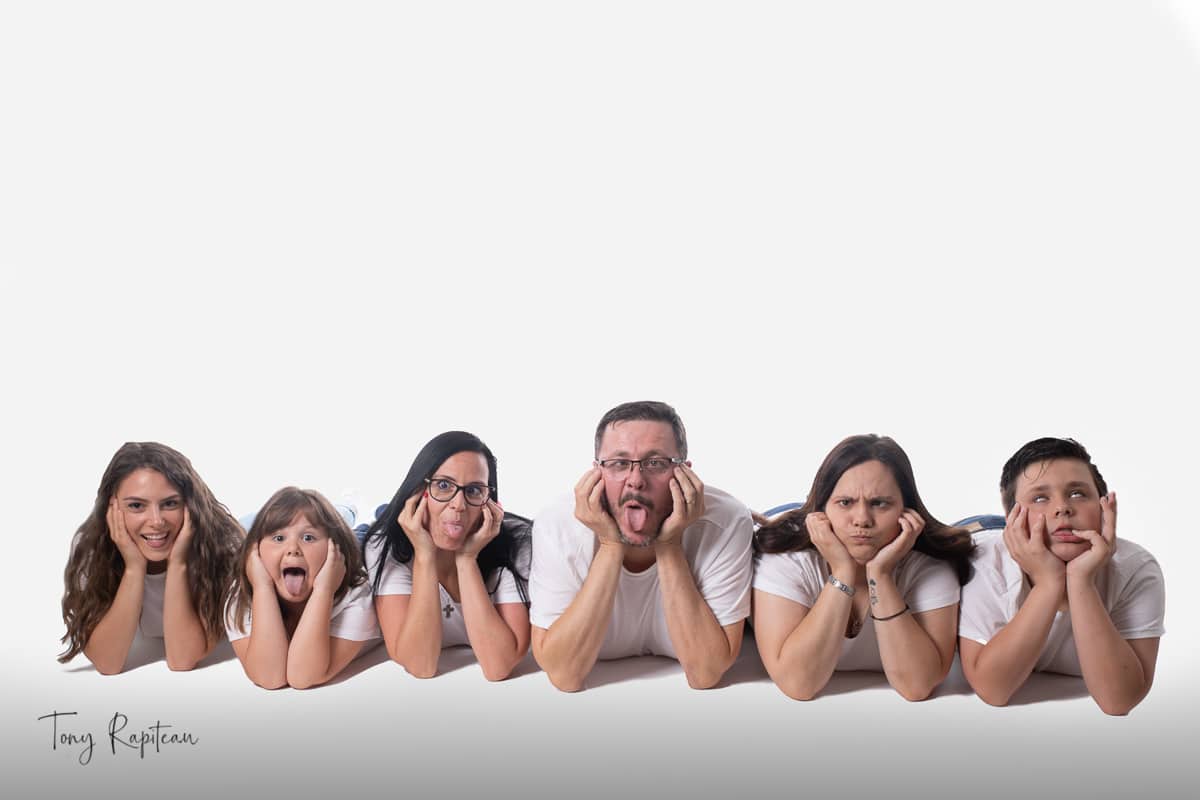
(295, 241)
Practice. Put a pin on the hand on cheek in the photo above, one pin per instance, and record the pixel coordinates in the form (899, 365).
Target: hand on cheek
(414, 520)
(329, 577)
(1101, 543)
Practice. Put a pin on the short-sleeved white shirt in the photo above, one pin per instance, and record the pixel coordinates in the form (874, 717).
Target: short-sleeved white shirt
(154, 593)
(717, 547)
(1131, 586)
(351, 618)
(397, 579)
(924, 582)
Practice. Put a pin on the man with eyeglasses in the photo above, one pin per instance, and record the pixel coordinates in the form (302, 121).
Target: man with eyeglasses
(643, 560)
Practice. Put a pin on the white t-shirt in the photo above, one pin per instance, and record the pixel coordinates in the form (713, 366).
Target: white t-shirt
(1131, 586)
(717, 547)
(924, 582)
(397, 579)
(154, 592)
(352, 618)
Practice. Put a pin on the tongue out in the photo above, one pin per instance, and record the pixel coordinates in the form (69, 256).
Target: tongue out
(635, 518)
(293, 581)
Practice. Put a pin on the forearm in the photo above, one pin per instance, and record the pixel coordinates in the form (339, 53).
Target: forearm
(184, 637)
(416, 644)
(308, 655)
(807, 658)
(703, 649)
(1111, 670)
(265, 661)
(1005, 662)
(497, 647)
(108, 645)
(571, 645)
(911, 660)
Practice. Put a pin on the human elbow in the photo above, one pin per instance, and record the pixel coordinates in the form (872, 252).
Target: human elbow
(565, 682)
(181, 664)
(422, 671)
(705, 678)
(993, 697)
(418, 667)
(107, 666)
(1117, 709)
(495, 673)
(799, 689)
(796, 684)
(304, 681)
(422, 668)
(919, 684)
(915, 694)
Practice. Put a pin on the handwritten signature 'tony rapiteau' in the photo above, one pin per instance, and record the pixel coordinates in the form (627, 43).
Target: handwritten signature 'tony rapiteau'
(152, 738)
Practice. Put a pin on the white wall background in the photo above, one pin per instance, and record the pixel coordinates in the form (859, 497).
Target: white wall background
(296, 240)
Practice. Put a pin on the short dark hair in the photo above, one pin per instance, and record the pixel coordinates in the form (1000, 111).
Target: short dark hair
(1047, 448)
(647, 410)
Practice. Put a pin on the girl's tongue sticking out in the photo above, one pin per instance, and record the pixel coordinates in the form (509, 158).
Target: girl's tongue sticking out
(293, 580)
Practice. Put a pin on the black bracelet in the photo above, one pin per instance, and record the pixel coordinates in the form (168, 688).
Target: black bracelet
(890, 616)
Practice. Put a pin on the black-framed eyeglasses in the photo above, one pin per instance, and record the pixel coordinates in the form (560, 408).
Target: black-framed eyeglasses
(444, 489)
(655, 465)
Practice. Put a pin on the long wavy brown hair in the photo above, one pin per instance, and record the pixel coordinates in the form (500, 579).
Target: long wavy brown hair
(95, 566)
(787, 532)
(278, 513)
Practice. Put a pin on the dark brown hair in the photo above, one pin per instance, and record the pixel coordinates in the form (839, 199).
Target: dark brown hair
(787, 532)
(1047, 448)
(644, 410)
(95, 566)
(278, 513)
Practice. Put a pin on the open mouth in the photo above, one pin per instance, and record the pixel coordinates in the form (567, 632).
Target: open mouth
(635, 516)
(155, 540)
(293, 580)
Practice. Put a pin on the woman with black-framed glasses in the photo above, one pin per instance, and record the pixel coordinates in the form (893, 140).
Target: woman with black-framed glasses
(448, 565)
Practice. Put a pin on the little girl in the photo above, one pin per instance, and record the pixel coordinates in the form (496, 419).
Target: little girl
(155, 556)
(301, 610)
